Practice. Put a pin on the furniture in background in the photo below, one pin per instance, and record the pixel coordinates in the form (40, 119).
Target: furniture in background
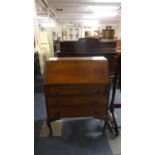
(73, 33)
(116, 82)
(72, 91)
(84, 44)
(118, 44)
(108, 33)
(87, 33)
(36, 65)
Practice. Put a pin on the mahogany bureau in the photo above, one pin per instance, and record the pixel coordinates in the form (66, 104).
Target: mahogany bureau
(77, 87)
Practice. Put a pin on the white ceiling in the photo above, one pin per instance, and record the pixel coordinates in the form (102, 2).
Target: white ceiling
(77, 11)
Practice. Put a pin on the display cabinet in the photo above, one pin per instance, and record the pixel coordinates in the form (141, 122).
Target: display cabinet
(74, 33)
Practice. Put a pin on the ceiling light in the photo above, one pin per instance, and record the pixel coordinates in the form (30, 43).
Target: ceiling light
(45, 21)
(93, 23)
(104, 8)
(48, 25)
(105, 14)
(42, 17)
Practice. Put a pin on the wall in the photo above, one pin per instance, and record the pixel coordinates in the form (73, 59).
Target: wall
(118, 31)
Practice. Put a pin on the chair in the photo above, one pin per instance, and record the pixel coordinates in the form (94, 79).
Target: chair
(116, 83)
(116, 80)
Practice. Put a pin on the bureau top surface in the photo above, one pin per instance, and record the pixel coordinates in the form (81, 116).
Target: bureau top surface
(76, 70)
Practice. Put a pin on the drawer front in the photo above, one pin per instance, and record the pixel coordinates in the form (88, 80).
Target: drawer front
(77, 101)
(76, 90)
(77, 112)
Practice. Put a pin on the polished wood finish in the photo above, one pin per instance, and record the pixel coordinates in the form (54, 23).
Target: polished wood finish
(118, 44)
(77, 87)
(76, 71)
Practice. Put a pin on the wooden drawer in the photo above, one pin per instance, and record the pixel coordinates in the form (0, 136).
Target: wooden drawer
(77, 112)
(77, 101)
(76, 90)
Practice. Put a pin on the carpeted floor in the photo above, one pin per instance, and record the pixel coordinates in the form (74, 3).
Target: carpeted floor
(79, 137)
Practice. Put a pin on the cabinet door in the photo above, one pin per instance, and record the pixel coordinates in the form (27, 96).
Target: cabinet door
(74, 33)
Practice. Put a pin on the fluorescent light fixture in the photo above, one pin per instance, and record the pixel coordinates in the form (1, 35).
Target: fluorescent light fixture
(104, 8)
(109, 1)
(105, 14)
(91, 23)
(48, 24)
(45, 21)
(42, 17)
(104, 11)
